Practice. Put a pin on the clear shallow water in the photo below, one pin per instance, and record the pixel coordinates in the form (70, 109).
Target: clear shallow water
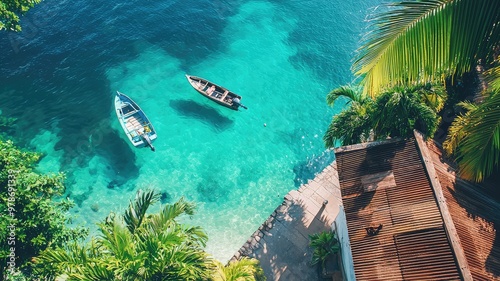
(59, 77)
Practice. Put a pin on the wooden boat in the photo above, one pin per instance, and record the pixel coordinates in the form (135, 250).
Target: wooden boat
(215, 92)
(134, 122)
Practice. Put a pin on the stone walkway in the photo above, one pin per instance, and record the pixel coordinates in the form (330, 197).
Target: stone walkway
(281, 243)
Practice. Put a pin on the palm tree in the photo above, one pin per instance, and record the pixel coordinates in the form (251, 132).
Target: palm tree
(428, 40)
(401, 110)
(433, 40)
(492, 77)
(245, 269)
(137, 246)
(352, 125)
(474, 138)
(395, 113)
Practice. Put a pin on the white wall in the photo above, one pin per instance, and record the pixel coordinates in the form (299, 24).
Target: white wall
(340, 227)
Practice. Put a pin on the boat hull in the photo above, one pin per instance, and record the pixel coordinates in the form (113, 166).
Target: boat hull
(215, 92)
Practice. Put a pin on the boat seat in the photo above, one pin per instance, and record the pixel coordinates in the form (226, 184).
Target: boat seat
(130, 113)
(134, 123)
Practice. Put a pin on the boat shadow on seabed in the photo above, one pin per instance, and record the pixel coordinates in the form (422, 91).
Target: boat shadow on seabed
(208, 115)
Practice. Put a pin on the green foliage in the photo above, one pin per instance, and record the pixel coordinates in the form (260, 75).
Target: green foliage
(136, 211)
(136, 246)
(434, 40)
(352, 125)
(492, 77)
(394, 113)
(422, 41)
(474, 139)
(28, 208)
(399, 112)
(352, 93)
(141, 246)
(11, 10)
(324, 245)
(245, 269)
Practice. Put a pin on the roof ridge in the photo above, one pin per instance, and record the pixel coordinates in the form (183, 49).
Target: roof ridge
(365, 145)
(449, 225)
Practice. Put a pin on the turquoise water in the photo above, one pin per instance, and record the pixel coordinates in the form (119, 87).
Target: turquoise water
(282, 57)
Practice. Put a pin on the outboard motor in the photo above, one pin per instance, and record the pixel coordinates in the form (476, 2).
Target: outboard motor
(148, 141)
(237, 103)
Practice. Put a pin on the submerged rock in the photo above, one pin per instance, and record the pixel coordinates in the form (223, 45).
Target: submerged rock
(94, 207)
(165, 197)
(112, 184)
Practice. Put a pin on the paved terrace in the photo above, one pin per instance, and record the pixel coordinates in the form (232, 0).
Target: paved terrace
(281, 243)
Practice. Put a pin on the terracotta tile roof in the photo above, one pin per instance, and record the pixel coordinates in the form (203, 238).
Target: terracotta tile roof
(387, 184)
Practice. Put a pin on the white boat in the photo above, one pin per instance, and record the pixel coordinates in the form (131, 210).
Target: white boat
(134, 122)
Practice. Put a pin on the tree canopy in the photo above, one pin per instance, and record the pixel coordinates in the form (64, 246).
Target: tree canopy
(141, 246)
(474, 139)
(11, 10)
(422, 41)
(414, 42)
(33, 216)
(37, 241)
(394, 113)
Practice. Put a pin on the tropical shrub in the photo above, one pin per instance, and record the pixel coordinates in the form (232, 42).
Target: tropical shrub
(394, 113)
(136, 246)
(33, 216)
(10, 10)
(245, 269)
(141, 246)
(474, 139)
(324, 245)
(398, 112)
(425, 41)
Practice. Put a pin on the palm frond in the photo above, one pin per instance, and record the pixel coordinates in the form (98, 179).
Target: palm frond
(171, 212)
(59, 259)
(492, 77)
(77, 262)
(196, 234)
(400, 111)
(478, 146)
(433, 95)
(136, 211)
(394, 113)
(420, 41)
(245, 269)
(117, 239)
(219, 274)
(186, 263)
(96, 271)
(352, 125)
(349, 92)
(457, 131)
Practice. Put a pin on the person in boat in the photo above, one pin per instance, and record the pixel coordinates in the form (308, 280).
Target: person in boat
(211, 90)
(144, 135)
